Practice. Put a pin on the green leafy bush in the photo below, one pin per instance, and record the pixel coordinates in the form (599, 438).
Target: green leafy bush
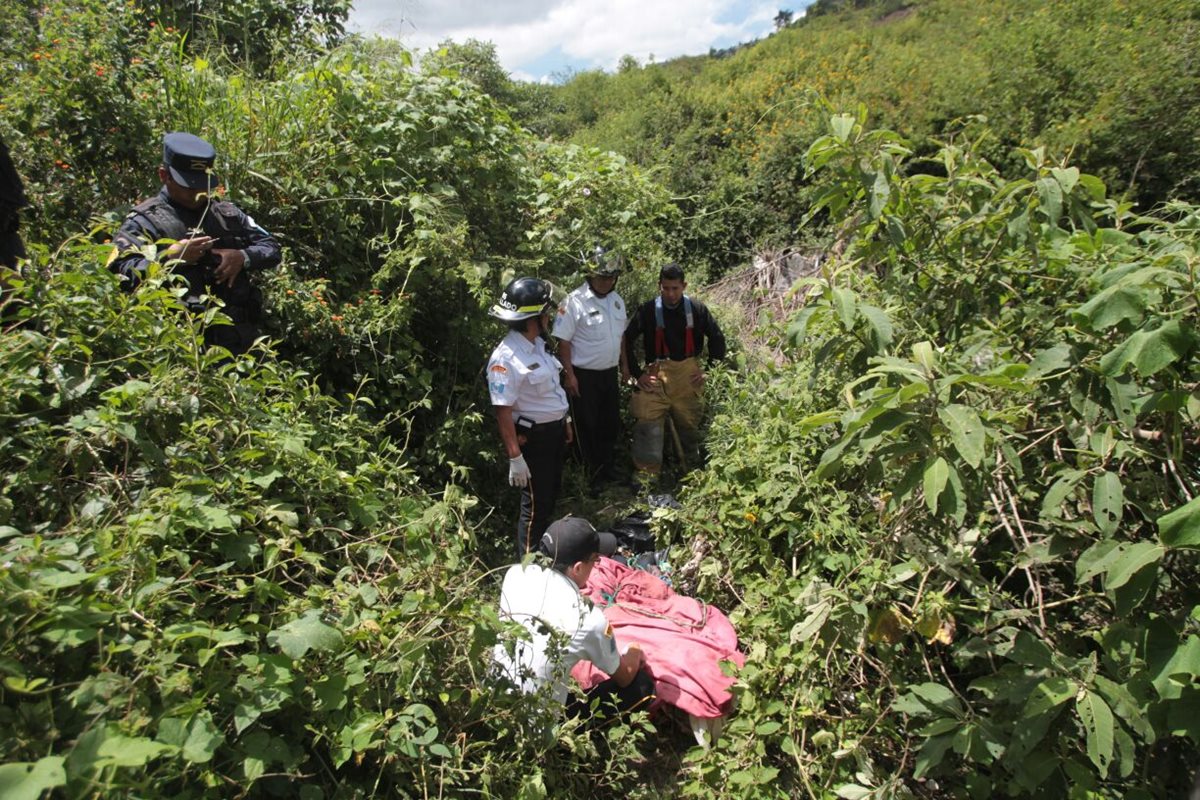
(960, 526)
(1111, 83)
(217, 579)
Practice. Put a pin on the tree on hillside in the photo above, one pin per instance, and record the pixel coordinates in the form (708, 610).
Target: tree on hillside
(254, 31)
(475, 61)
(783, 19)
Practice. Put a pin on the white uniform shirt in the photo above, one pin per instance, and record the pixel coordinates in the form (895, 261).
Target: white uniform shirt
(565, 630)
(523, 375)
(593, 325)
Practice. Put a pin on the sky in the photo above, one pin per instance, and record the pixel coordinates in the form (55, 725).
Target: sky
(538, 39)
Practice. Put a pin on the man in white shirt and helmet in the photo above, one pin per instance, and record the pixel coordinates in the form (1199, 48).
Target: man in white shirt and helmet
(531, 406)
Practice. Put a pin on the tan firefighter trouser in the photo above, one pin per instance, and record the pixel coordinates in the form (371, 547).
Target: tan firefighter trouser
(675, 394)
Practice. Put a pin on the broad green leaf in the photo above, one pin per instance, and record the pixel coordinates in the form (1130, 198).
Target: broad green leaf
(1126, 752)
(841, 125)
(798, 328)
(1108, 500)
(198, 737)
(1131, 561)
(881, 192)
(129, 751)
(923, 354)
(1051, 196)
(1148, 351)
(820, 419)
(1096, 189)
(1027, 736)
(203, 739)
(767, 728)
(1018, 224)
(954, 498)
(1126, 707)
(198, 630)
(1130, 596)
(1123, 393)
(881, 326)
(533, 787)
(1059, 491)
(265, 479)
(966, 431)
(1029, 650)
(1174, 664)
(216, 519)
(846, 304)
(936, 475)
(306, 633)
(831, 459)
(1067, 178)
(253, 768)
(811, 625)
(1051, 360)
(1097, 559)
(937, 696)
(931, 754)
(1110, 307)
(51, 579)
(1048, 696)
(852, 791)
(23, 685)
(24, 781)
(1097, 721)
(940, 726)
(1181, 527)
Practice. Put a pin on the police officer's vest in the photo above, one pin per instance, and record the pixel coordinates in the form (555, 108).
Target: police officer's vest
(660, 335)
(221, 221)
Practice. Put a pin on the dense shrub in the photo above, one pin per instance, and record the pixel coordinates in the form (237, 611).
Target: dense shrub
(216, 580)
(960, 525)
(1113, 84)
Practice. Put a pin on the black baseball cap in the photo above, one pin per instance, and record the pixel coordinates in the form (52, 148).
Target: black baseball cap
(573, 539)
(190, 159)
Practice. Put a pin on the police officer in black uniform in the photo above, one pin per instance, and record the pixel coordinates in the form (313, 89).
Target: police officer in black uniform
(216, 245)
(530, 402)
(12, 199)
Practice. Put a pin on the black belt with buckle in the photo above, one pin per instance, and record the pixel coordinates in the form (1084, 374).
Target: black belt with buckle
(526, 425)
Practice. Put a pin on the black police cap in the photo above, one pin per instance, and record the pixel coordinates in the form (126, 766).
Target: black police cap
(190, 159)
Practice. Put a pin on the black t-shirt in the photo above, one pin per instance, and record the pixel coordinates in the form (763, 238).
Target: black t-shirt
(642, 325)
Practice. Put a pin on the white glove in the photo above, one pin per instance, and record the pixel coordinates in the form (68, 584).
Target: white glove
(518, 471)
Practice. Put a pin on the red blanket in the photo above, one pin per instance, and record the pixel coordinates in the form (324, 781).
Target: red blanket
(684, 640)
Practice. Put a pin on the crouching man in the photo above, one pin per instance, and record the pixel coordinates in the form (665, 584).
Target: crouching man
(565, 628)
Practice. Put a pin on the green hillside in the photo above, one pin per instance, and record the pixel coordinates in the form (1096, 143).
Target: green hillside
(952, 495)
(1113, 86)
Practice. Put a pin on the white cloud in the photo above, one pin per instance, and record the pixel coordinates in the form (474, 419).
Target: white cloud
(591, 33)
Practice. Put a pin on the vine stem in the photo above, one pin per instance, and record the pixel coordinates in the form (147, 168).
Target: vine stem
(1034, 584)
(1178, 480)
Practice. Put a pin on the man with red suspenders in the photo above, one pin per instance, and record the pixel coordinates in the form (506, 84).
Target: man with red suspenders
(673, 328)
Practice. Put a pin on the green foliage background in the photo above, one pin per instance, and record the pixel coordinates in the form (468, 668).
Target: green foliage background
(955, 522)
(1111, 83)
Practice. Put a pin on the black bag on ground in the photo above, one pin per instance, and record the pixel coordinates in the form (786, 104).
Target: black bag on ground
(633, 530)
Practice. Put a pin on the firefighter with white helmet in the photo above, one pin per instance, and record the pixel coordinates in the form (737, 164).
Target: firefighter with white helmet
(524, 381)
